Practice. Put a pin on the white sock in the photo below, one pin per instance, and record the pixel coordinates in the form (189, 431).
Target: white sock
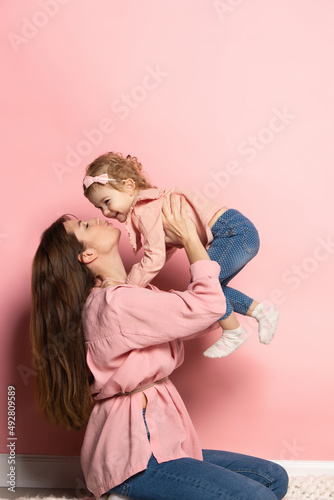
(228, 342)
(267, 318)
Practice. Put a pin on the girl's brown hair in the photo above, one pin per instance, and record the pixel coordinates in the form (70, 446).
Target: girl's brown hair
(119, 168)
(60, 287)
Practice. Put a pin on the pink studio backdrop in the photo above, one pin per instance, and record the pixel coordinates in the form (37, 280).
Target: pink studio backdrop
(233, 99)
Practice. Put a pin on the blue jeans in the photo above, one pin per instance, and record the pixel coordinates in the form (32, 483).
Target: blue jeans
(222, 475)
(235, 242)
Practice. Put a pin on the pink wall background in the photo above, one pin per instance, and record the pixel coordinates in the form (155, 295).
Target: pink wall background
(231, 98)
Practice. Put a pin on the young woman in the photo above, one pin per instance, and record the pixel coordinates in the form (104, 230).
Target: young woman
(91, 328)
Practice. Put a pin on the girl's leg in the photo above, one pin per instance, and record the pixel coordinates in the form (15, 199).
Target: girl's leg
(233, 336)
(190, 479)
(267, 318)
(270, 474)
(230, 323)
(251, 308)
(235, 243)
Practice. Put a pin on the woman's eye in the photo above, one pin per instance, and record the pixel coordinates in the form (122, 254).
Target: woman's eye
(87, 225)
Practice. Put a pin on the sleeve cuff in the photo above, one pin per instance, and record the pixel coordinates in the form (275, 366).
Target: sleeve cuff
(204, 268)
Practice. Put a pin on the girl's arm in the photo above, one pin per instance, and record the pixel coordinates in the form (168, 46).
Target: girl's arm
(149, 224)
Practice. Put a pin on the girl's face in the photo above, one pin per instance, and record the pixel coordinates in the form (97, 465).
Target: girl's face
(114, 204)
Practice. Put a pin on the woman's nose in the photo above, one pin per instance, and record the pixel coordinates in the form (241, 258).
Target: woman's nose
(95, 221)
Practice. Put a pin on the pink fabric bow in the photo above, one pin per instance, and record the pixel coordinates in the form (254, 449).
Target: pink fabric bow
(101, 179)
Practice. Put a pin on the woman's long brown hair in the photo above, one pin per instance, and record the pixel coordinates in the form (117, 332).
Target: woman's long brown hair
(60, 287)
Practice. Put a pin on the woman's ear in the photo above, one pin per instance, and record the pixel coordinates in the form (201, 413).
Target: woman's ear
(130, 186)
(87, 256)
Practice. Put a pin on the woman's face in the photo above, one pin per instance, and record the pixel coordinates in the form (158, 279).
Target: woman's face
(100, 235)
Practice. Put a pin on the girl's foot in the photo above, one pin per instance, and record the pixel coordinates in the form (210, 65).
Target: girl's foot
(228, 342)
(267, 318)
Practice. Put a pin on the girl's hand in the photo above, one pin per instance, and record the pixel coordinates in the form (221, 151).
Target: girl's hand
(178, 226)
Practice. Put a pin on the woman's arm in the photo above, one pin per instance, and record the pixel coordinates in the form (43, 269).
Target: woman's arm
(180, 229)
(150, 316)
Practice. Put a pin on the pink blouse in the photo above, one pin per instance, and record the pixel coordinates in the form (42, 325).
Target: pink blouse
(144, 220)
(134, 337)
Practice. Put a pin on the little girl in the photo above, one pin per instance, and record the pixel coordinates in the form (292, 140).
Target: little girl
(118, 187)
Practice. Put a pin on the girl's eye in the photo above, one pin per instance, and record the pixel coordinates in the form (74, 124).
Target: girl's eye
(107, 202)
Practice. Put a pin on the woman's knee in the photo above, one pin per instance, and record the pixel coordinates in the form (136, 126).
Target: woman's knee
(268, 480)
(280, 487)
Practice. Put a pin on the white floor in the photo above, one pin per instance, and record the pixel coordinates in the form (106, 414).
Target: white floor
(307, 487)
(38, 492)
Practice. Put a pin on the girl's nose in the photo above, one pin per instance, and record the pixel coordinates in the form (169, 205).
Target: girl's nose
(105, 211)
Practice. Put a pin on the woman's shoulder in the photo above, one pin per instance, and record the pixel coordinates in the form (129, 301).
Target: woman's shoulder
(102, 306)
(114, 305)
(112, 294)
(100, 297)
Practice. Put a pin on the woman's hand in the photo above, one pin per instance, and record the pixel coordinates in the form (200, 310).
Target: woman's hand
(178, 226)
(180, 230)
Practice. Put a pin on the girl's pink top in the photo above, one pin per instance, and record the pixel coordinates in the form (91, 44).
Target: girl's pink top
(133, 338)
(144, 221)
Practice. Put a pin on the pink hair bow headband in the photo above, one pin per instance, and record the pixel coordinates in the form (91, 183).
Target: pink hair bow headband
(101, 179)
